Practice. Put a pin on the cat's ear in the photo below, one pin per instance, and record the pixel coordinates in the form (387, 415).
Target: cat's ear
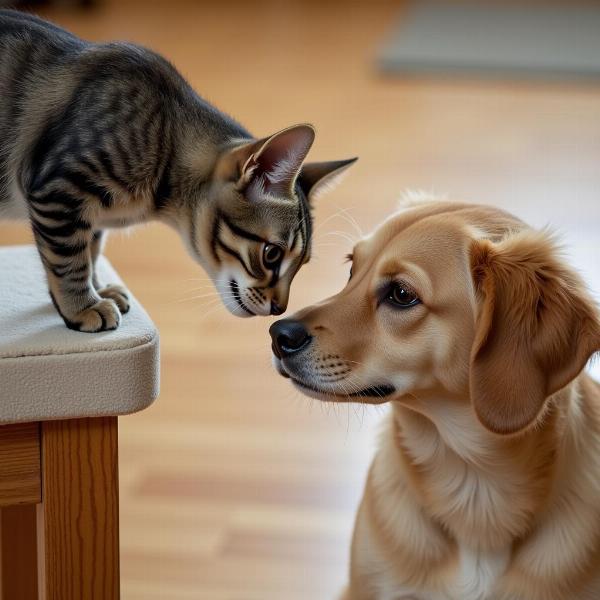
(317, 177)
(273, 163)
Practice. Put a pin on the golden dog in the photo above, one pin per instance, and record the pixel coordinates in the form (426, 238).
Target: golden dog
(486, 483)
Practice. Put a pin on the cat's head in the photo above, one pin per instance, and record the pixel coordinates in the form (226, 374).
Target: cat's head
(254, 233)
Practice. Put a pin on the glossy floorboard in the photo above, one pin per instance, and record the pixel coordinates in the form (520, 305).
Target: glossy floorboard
(233, 487)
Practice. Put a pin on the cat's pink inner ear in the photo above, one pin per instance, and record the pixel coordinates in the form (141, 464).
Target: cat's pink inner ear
(277, 163)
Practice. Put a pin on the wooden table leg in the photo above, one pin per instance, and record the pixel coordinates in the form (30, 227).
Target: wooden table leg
(18, 541)
(78, 520)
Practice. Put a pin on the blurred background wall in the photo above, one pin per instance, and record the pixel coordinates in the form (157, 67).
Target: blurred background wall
(234, 487)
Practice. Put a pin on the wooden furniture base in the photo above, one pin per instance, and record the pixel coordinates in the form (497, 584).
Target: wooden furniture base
(59, 510)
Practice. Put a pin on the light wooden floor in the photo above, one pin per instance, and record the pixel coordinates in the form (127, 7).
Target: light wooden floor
(233, 486)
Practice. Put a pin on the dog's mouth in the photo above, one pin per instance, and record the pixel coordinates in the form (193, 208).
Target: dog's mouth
(377, 392)
(374, 391)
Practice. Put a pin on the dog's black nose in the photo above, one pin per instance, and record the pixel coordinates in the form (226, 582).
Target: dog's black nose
(276, 309)
(288, 337)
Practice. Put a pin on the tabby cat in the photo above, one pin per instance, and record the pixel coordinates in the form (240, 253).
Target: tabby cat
(95, 136)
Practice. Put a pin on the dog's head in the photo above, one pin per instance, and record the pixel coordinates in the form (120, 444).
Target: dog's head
(457, 299)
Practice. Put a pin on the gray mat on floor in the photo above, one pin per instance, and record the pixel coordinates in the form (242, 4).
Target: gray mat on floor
(501, 40)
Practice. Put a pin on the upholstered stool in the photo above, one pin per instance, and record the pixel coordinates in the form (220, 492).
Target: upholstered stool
(60, 394)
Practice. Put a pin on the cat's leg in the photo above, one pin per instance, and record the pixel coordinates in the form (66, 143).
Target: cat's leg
(114, 291)
(96, 247)
(64, 242)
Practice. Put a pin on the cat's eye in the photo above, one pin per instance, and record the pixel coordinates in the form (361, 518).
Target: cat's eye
(401, 295)
(272, 255)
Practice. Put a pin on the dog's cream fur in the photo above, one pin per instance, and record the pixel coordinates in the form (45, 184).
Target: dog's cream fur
(486, 483)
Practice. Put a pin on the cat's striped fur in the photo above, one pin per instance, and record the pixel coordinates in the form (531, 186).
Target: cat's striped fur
(95, 136)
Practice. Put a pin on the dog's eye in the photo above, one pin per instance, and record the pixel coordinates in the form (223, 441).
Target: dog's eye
(272, 255)
(350, 274)
(401, 296)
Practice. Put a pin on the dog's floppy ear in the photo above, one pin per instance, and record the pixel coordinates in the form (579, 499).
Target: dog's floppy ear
(535, 330)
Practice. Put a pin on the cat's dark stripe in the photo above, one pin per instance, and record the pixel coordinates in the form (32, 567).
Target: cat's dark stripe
(137, 116)
(89, 165)
(62, 198)
(164, 189)
(55, 215)
(241, 232)
(87, 186)
(69, 269)
(60, 247)
(256, 265)
(70, 324)
(124, 165)
(158, 140)
(108, 166)
(214, 235)
(67, 230)
(237, 256)
(274, 278)
(306, 231)
(76, 286)
(154, 122)
(79, 180)
(45, 144)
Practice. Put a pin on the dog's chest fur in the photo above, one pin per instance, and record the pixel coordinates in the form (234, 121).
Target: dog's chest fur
(451, 506)
(483, 498)
(448, 486)
(478, 573)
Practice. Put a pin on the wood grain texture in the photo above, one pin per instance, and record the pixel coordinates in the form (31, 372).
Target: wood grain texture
(18, 540)
(78, 519)
(20, 481)
(218, 477)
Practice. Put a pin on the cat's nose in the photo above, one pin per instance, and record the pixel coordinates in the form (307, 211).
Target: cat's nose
(288, 337)
(276, 308)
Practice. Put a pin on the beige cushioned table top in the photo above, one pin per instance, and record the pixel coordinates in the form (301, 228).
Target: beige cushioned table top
(48, 371)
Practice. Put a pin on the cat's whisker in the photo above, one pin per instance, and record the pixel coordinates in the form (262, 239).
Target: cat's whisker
(201, 279)
(326, 220)
(345, 214)
(215, 296)
(343, 235)
(208, 286)
(206, 295)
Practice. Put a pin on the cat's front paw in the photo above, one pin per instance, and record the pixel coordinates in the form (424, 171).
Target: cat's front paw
(102, 316)
(117, 293)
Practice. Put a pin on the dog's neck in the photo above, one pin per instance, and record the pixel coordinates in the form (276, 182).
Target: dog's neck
(487, 490)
